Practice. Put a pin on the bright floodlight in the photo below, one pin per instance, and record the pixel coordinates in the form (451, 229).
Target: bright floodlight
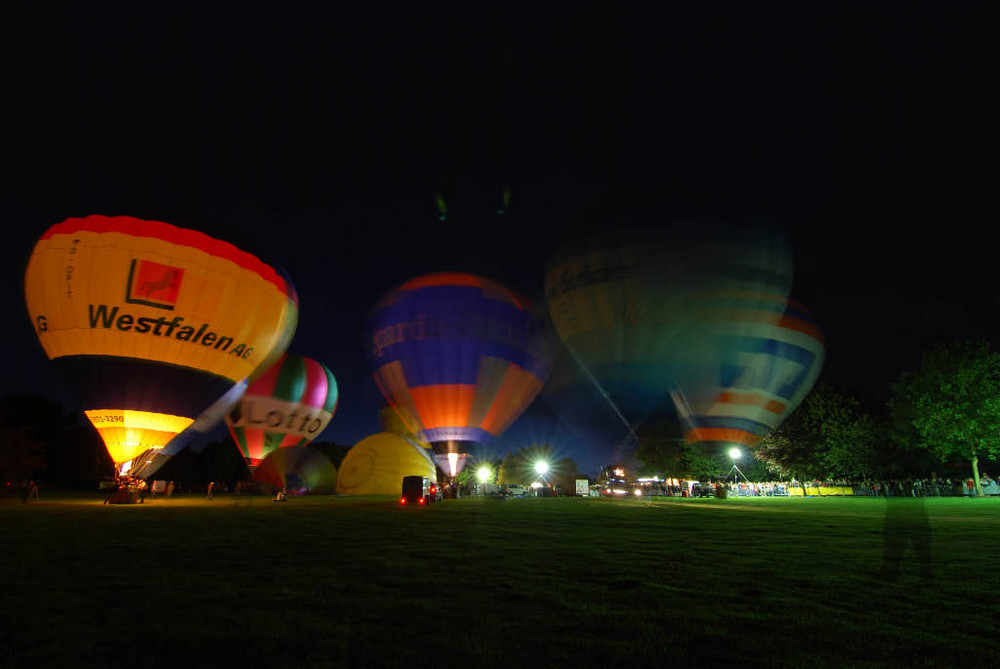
(734, 453)
(541, 467)
(483, 474)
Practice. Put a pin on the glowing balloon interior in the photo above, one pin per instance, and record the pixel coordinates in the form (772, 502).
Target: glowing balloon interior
(152, 323)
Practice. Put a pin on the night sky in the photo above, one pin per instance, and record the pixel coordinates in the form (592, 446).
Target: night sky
(318, 140)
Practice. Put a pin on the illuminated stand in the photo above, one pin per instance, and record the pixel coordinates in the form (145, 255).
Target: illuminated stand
(735, 454)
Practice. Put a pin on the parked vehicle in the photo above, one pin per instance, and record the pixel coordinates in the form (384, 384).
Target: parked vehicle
(701, 489)
(418, 491)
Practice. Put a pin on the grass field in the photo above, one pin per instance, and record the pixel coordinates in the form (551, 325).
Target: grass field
(337, 581)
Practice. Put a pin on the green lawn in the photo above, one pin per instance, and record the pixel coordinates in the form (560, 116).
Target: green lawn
(328, 581)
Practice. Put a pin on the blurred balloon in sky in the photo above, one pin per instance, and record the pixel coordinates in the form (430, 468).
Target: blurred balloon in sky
(290, 404)
(152, 323)
(459, 356)
(631, 305)
(763, 369)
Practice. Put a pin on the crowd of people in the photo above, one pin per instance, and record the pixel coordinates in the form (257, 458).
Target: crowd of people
(927, 487)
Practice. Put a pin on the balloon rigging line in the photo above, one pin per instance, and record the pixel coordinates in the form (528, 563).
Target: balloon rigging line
(604, 394)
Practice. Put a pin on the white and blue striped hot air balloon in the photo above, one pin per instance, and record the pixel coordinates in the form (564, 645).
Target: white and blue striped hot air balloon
(767, 363)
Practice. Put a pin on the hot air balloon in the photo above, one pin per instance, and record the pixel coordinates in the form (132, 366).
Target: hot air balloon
(298, 469)
(763, 369)
(289, 405)
(377, 464)
(459, 356)
(151, 322)
(630, 305)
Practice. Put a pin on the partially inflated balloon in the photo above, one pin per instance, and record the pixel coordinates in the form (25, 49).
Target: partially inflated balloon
(377, 464)
(459, 356)
(289, 405)
(152, 322)
(298, 469)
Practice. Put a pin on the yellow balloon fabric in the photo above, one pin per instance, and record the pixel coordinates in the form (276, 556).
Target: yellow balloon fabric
(377, 464)
(152, 322)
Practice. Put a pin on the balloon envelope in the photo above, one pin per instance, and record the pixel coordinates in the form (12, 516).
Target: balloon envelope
(763, 369)
(298, 469)
(290, 404)
(457, 355)
(377, 464)
(152, 323)
(630, 305)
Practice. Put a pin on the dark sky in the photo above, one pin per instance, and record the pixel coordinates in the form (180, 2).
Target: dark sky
(868, 130)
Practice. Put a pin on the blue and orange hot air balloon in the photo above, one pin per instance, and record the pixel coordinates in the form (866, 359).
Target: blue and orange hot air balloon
(152, 323)
(459, 356)
(289, 405)
(761, 370)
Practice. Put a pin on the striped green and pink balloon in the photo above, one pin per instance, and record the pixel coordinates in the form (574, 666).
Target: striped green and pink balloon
(289, 405)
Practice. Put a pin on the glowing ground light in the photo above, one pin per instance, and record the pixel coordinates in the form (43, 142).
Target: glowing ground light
(483, 474)
(541, 467)
(734, 453)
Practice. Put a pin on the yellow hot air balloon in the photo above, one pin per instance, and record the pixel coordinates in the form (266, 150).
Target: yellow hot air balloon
(152, 322)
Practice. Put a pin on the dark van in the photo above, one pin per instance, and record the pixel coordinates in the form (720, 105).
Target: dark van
(418, 491)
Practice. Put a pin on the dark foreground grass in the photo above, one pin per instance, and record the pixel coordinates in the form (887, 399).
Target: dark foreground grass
(334, 581)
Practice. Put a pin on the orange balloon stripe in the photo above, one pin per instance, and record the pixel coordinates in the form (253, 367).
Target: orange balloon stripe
(443, 279)
(730, 397)
(445, 405)
(793, 323)
(725, 434)
(491, 289)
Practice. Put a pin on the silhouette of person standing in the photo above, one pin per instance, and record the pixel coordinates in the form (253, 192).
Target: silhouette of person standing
(905, 523)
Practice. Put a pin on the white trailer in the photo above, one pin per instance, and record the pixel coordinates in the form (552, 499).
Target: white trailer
(582, 488)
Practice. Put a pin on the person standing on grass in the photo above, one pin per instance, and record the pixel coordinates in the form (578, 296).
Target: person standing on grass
(211, 489)
(906, 523)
